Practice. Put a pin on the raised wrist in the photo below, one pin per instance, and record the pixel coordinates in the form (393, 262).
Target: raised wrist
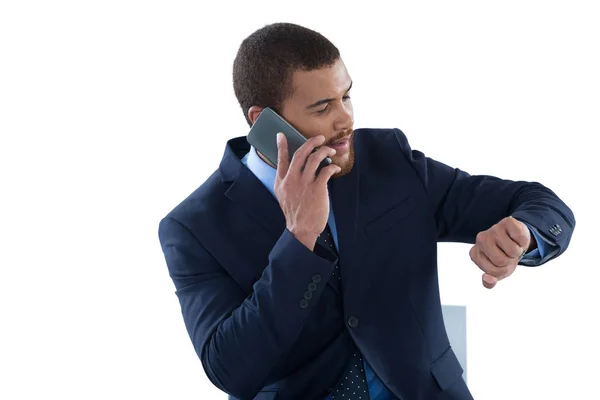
(307, 239)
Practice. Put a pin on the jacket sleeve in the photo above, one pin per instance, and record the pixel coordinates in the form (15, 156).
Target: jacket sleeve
(465, 205)
(239, 338)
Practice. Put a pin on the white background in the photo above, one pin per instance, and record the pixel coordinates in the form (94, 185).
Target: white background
(112, 112)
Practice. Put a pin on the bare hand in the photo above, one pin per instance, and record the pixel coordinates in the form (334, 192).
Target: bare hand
(302, 195)
(498, 250)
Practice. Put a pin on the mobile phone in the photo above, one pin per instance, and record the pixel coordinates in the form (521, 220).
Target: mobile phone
(263, 136)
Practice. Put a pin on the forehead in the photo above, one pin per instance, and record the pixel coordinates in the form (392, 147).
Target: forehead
(311, 86)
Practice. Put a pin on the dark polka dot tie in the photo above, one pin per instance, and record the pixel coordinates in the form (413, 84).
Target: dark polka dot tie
(326, 239)
(353, 385)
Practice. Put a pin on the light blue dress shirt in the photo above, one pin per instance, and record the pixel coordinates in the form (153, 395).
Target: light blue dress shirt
(266, 174)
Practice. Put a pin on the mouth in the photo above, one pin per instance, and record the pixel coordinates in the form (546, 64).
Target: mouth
(341, 144)
(342, 140)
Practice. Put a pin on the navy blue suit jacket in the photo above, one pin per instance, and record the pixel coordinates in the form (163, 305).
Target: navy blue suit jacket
(240, 275)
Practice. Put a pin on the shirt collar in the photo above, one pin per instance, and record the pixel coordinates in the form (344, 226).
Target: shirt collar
(267, 174)
(263, 171)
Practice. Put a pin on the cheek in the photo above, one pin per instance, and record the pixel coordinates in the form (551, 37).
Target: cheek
(349, 111)
(307, 128)
(318, 127)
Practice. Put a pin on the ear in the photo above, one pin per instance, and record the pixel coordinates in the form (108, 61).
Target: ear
(254, 112)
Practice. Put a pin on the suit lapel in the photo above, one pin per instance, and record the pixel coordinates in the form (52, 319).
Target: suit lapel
(344, 193)
(247, 191)
(250, 194)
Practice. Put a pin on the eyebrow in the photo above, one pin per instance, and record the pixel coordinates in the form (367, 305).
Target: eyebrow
(324, 101)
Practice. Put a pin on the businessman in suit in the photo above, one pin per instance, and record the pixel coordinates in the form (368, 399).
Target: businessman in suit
(297, 285)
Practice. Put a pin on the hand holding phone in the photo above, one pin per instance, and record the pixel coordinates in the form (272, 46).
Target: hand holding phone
(302, 193)
(303, 167)
(262, 136)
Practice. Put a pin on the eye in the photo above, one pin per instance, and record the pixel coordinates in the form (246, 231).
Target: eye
(322, 111)
(346, 97)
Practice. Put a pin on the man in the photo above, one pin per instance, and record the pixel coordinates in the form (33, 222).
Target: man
(296, 286)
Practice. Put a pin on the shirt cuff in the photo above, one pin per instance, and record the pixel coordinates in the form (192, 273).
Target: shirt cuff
(543, 249)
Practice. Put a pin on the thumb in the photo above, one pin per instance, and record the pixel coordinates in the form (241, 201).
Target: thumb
(283, 162)
(489, 281)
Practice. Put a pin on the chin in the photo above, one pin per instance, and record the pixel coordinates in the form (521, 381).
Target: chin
(341, 174)
(346, 163)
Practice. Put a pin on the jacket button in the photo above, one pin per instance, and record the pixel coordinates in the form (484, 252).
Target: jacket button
(308, 295)
(312, 286)
(353, 321)
(303, 303)
(316, 278)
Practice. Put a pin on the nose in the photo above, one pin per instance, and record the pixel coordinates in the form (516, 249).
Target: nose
(345, 118)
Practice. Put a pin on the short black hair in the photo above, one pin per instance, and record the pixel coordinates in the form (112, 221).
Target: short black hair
(266, 60)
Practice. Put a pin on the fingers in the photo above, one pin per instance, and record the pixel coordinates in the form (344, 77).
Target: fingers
(498, 250)
(300, 156)
(486, 265)
(518, 232)
(283, 162)
(509, 247)
(314, 160)
(489, 242)
(326, 173)
(306, 159)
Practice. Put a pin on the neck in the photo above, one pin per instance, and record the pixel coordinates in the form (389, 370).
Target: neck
(265, 159)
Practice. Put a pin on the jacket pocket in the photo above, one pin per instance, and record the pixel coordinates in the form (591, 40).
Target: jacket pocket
(266, 395)
(446, 369)
(391, 217)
